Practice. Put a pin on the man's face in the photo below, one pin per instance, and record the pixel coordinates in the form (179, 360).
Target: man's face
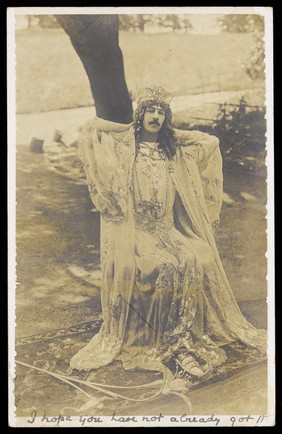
(154, 117)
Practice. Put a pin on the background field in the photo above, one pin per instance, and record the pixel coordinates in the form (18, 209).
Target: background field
(50, 75)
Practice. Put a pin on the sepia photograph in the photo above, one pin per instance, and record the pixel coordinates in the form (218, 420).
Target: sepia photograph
(140, 207)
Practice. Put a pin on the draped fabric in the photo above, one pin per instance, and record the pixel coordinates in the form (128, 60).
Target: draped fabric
(164, 291)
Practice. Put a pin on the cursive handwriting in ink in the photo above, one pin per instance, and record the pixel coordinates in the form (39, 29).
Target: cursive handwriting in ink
(123, 419)
(33, 417)
(90, 419)
(50, 419)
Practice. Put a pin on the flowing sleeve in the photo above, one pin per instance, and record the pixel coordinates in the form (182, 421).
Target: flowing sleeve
(204, 149)
(107, 152)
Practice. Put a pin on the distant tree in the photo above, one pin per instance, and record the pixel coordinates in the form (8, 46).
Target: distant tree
(29, 20)
(187, 24)
(133, 22)
(171, 20)
(125, 22)
(239, 23)
(139, 21)
(47, 21)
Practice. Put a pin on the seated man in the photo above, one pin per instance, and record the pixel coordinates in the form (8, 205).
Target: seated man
(165, 296)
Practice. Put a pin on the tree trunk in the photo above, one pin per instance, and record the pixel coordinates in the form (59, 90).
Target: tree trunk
(95, 39)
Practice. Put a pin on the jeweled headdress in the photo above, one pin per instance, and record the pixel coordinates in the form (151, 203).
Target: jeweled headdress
(154, 93)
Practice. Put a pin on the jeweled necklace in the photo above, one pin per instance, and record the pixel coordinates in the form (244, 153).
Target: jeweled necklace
(151, 152)
(152, 206)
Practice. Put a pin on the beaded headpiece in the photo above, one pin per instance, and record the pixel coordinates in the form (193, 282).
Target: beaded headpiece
(154, 93)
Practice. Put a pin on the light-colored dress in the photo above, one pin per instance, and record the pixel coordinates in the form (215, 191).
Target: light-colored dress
(164, 291)
(168, 302)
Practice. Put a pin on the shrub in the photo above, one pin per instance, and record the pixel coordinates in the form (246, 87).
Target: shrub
(241, 130)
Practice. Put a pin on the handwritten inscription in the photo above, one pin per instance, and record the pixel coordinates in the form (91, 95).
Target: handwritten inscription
(126, 419)
(89, 420)
(194, 419)
(59, 419)
(46, 419)
(184, 419)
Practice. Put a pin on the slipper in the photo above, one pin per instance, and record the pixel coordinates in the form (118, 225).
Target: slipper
(189, 364)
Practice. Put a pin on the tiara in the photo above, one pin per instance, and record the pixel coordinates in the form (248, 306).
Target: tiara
(155, 93)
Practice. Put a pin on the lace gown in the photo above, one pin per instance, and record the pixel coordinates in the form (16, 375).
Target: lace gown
(164, 293)
(174, 276)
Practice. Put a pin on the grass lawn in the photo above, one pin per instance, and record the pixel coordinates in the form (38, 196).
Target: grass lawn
(49, 74)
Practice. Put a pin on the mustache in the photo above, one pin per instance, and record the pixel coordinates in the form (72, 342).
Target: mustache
(154, 123)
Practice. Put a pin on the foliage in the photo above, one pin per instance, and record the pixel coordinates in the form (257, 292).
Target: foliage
(46, 21)
(255, 67)
(241, 130)
(132, 22)
(125, 22)
(138, 22)
(170, 20)
(238, 23)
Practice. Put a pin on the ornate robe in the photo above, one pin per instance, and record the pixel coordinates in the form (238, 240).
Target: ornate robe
(164, 290)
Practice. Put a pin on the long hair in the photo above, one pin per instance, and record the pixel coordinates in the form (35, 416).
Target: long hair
(166, 136)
